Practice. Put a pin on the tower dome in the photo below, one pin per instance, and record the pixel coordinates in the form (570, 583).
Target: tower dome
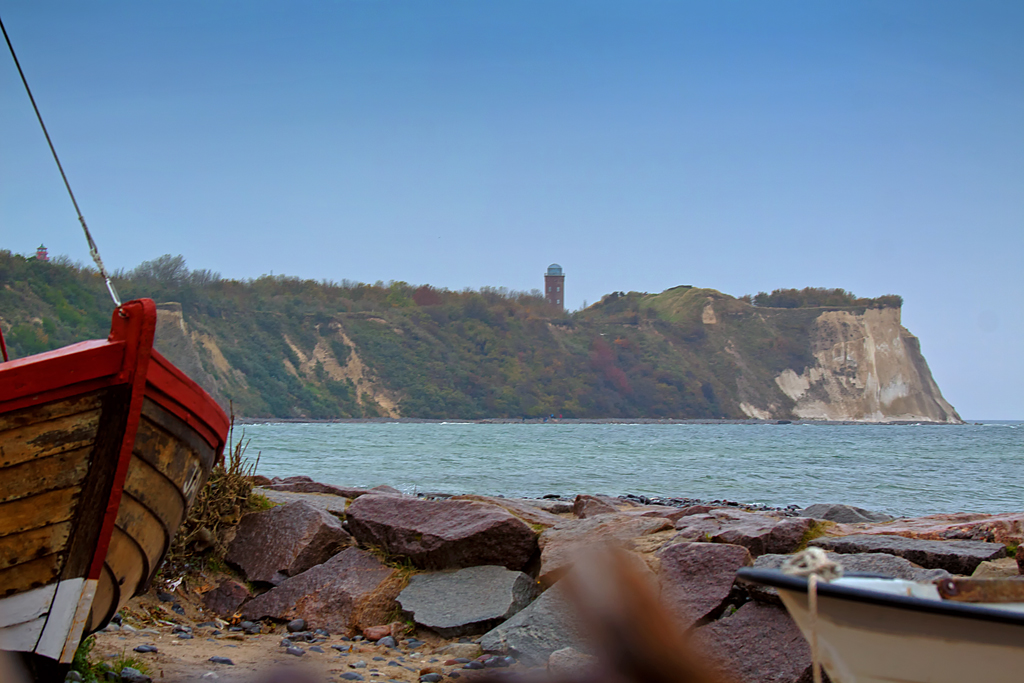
(554, 269)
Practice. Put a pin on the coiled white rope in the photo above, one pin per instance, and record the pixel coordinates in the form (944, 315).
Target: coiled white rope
(814, 564)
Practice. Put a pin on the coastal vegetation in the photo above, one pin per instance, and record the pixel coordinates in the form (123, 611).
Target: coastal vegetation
(284, 347)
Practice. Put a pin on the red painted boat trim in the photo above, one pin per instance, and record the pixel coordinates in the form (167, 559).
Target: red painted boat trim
(176, 393)
(135, 323)
(61, 370)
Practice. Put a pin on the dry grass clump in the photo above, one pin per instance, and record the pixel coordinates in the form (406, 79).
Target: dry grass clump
(218, 507)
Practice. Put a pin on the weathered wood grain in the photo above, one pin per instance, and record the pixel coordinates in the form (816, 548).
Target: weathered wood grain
(33, 477)
(23, 514)
(29, 575)
(42, 439)
(30, 545)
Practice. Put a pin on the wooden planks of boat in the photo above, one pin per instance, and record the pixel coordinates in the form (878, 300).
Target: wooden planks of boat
(104, 445)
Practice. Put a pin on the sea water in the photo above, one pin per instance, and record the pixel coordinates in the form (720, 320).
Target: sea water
(899, 469)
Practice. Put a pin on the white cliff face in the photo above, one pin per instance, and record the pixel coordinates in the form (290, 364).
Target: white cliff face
(869, 368)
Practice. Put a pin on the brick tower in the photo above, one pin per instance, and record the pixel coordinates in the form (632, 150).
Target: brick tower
(41, 254)
(554, 285)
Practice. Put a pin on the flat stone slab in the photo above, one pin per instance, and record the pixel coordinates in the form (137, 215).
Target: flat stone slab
(844, 514)
(283, 541)
(329, 502)
(963, 526)
(548, 624)
(696, 578)
(956, 557)
(468, 601)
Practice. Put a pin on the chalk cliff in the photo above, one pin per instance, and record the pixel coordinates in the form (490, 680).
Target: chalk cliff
(867, 367)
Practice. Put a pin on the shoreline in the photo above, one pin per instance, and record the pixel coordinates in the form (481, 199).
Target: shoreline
(597, 421)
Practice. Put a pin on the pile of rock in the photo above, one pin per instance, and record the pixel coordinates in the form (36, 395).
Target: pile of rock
(349, 560)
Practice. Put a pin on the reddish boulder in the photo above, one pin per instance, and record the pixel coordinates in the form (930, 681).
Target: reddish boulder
(757, 644)
(315, 487)
(1020, 559)
(528, 513)
(664, 511)
(758, 533)
(696, 578)
(284, 541)
(442, 534)
(591, 506)
(225, 599)
(348, 592)
(560, 544)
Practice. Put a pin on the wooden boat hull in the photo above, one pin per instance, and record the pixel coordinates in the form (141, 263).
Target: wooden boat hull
(889, 631)
(103, 447)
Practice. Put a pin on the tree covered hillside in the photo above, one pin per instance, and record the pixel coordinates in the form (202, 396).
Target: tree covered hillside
(288, 348)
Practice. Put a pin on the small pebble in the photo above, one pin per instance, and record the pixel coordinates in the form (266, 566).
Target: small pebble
(111, 627)
(393, 663)
(285, 642)
(387, 641)
(116, 618)
(351, 676)
(322, 632)
(297, 651)
(210, 674)
(222, 660)
(358, 665)
(185, 636)
(73, 677)
(178, 628)
(178, 609)
(128, 627)
(346, 639)
(145, 648)
(254, 630)
(296, 625)
(216, 632)
(316, 648)
(342, 648)
(473, 665)
(207, 624)
(358, 638)
(164, 596)
(431, 678)
(378, 659)
(245, 625)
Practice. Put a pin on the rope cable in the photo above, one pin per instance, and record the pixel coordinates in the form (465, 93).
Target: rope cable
(94, 252)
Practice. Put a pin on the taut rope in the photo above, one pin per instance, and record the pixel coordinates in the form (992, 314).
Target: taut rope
(93, 251)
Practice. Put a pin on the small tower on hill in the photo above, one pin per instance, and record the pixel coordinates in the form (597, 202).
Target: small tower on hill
(41, 254)
(554, 285)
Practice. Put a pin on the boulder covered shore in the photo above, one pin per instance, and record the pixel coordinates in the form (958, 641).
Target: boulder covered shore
(338, 583)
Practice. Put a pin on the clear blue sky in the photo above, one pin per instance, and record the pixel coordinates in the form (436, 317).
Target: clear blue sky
(744, 146)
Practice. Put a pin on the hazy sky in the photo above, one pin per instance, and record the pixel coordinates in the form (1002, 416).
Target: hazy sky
(744, 146)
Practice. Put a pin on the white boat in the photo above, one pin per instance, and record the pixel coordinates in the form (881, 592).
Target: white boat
(880, 630)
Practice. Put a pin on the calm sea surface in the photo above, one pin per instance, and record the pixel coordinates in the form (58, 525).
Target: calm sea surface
(902, 470)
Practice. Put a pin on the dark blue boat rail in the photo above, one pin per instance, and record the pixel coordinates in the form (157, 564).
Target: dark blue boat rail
(776, 579)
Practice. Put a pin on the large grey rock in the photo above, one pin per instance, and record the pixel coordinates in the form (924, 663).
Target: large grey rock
(561, 544)
(350, 591)
(329, 502)
(844, 514)
(865, 563)
(549, 623)
(759, 533)
(956, 557)
(284, 541)
(470, 600)
(757, 644)
(442, 534)
(696, 578)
